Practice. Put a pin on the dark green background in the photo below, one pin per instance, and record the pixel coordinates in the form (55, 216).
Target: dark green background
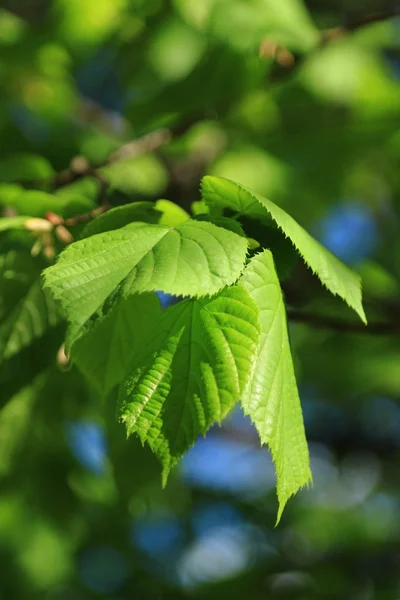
(81, 517)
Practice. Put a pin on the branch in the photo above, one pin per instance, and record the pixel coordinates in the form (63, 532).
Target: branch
(80, 167)
(290, 62)
(325, 322)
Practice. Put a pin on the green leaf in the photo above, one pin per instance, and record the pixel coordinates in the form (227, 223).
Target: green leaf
(34, 202)
(25, 166)
(8, 193)
(12, 223)
(15, 421)
(172, 214)
(37, 203)
(121, 216)
(337, 278)
(225, 222)
(143, 174)
(32, 315)
(271, 399)
(86, 187)
(192, 259)
(192, 370)
(27, 311)
(103, 354)
(268, 235)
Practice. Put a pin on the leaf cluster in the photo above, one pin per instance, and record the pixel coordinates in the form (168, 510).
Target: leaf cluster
(181, 370)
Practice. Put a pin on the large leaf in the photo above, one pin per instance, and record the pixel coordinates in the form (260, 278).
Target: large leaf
(271, 398)
(27, 311)
(103, 354)
(191, 372)
(192, 259)
(338, 279)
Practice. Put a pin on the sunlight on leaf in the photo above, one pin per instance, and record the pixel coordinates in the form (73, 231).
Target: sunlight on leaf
(337, 278)
(271, 398)
(191, 371)
(193, 259)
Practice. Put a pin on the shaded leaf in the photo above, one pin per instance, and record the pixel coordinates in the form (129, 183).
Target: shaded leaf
(103, 354)
(33, 314)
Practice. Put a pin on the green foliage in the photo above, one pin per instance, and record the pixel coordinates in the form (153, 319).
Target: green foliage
(192, 370)
(192, 259)
(271, 398)
(333, 274)
(111, 114)
(185, 369)
(121, 216)
(27, 310)
(103, 354)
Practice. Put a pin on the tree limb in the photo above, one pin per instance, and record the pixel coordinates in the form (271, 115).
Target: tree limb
(335, 324)
(290, 62)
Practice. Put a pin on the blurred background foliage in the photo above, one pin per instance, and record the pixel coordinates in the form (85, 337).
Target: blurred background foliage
(250, 90)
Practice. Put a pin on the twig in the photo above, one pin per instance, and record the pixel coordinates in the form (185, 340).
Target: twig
(80, 166)
(290, 62)
(324, 322)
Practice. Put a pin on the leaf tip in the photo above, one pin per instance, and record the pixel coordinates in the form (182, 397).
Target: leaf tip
(165, 474)
(283, 498)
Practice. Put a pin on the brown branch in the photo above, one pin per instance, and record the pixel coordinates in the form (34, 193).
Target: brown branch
(290, 62)
(335, 324)
(80, 167)
(335, 32)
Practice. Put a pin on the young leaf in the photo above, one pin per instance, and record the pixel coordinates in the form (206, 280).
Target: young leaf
(171, 214)
(191, 372)
(271, 398)
(103, 354)
(120, 216)
(12, 223)
(337, 278)
(192, 259)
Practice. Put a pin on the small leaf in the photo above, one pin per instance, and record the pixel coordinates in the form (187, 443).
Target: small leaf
(271, 398)
(338, 279)
(192, 259)
(172, 214)
(15, 423)
(12, 223)
(191, 372)
(36, 203)
(25, 166)
(103, 354)
(143, 174)
(225, 222)
(121, 216)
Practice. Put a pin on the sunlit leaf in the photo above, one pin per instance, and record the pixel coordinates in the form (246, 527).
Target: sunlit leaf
(271, 398)
(192, 259)
(338, 278)
(121, 216)
(190, 372)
